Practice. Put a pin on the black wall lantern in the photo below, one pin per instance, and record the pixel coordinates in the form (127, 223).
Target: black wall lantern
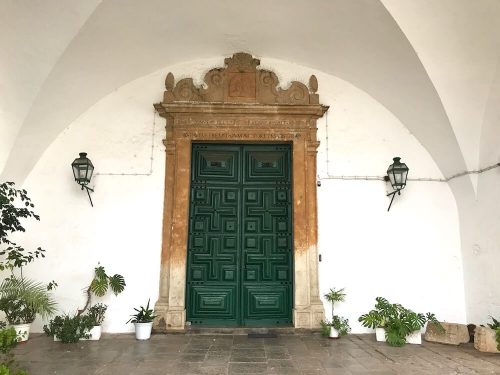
(82, 170)
(396, 174)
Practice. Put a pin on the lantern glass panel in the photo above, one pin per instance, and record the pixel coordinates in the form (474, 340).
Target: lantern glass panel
(75, 171)
(405, 175)
(398, 177)
(397, 173)
(82, 169)
(392, 178)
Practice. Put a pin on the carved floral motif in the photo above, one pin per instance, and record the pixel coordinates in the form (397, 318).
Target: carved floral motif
(240, 82)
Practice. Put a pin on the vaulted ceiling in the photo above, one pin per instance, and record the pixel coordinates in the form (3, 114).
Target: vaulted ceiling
(432, 63)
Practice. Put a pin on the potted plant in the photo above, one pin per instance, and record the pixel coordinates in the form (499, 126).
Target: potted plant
(69, 329)
(143, 322)
(21, 300)
(100, 284)
(338, 326)
(96, 313)
(396, 324)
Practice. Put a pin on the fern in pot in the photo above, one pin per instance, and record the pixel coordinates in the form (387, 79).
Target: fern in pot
(143, 322)
(338, 326)
(22, 300)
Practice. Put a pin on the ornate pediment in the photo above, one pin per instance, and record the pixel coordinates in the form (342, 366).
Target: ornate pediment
(240, 82)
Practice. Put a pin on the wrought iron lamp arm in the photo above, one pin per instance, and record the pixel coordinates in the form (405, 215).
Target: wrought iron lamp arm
(398, 191)
(92, 190)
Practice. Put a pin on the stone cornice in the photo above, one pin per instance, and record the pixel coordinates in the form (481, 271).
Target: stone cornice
(207, 109)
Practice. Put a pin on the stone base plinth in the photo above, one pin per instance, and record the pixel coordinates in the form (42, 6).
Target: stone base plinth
(455, 334)
(308, 317)
(485, 341)
(169, 318)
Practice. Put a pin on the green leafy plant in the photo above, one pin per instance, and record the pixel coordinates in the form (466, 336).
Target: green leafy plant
(101, 283)
(335, 295)
(397, 321)
(495, 325)
(15, 205)
(143, 315)
(497, 337)
(8, 341)
(340, 323)
(69, 328)
(325, 327)
(97, 313)
(22, 299)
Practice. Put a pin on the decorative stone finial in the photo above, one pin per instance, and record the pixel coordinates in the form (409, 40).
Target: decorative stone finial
(169, 81)
(313, 84)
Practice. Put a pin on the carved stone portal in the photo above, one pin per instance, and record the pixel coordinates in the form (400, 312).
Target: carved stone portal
(239, 103)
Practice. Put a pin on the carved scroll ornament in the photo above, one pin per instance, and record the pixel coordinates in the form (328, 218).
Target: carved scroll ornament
(240, 82)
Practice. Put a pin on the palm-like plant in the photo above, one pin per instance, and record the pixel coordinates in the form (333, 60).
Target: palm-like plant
(339, 323)
(335, 295)
(22, 299)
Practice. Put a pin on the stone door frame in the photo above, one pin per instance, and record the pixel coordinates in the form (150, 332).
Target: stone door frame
(241, 104)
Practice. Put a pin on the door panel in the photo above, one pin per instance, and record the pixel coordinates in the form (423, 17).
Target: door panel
(240, 236)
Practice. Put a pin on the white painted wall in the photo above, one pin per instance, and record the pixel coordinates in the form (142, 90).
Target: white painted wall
(480, 221)
(458, 42)
(411, 254)
(34, 36)
(357, 235)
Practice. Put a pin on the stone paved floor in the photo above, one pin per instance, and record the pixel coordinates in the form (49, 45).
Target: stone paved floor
(227, 354)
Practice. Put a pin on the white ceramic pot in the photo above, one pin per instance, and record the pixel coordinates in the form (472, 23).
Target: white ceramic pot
(22, 331)
(56, 338)
(143, 330)
(334, 334)
(414, 338)
(95, 334)
(380, 334)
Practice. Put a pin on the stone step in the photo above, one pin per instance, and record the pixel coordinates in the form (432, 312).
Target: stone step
(255, 331)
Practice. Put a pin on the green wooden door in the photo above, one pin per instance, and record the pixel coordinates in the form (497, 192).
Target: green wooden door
(240, 236)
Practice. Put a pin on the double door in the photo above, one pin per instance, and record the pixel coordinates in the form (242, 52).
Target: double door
(240, 250)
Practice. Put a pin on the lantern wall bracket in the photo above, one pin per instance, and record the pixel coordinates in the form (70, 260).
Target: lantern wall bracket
(82, 171)
(92, 190)
(393, 195)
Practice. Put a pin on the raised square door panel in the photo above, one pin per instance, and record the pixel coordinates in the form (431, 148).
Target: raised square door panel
(240, 236)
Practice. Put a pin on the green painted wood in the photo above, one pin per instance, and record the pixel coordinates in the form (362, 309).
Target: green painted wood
(240, 236)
